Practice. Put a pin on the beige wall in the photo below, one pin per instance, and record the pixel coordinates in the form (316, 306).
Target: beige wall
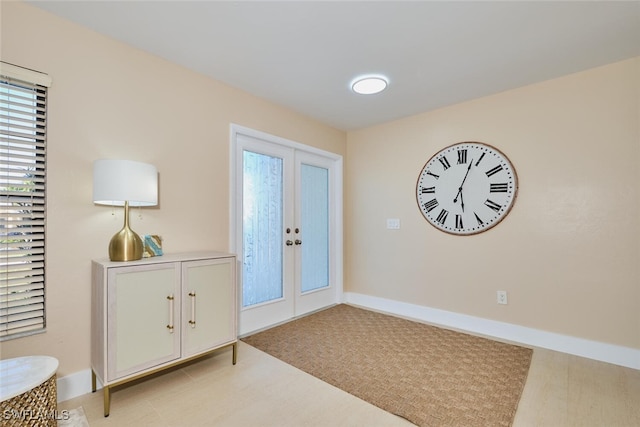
(112, 101)
(568, 253)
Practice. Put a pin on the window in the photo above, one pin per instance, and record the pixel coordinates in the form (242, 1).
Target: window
(23, 100)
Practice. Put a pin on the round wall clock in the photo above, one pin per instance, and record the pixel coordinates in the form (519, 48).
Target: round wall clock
(466, 188)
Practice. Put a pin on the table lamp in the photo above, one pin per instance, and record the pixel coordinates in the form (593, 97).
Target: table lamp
(125, 183)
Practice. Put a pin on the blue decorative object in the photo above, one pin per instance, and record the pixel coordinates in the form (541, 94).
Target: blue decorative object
(152, 245)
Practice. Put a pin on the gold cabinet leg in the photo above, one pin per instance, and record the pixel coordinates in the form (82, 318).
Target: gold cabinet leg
(235, 353)
(93, 381)
(107, 400)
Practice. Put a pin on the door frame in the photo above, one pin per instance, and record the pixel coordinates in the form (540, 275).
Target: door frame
(235, 205)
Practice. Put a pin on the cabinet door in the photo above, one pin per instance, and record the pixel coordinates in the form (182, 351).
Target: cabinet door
(144, 317)
(209, 304)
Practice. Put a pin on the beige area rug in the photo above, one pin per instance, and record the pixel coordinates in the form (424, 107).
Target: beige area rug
(428, 375)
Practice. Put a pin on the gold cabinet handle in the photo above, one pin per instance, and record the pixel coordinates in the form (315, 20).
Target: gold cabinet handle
(170, 325)
(192, 322)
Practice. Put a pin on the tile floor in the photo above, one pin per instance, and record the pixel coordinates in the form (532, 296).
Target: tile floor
(561, 390)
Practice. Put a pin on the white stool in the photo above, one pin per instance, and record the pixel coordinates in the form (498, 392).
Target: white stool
(28, 393)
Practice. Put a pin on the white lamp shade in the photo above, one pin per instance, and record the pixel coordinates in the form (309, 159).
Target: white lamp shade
(118, 181)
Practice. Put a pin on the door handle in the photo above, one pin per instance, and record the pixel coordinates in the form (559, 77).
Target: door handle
(289, 243)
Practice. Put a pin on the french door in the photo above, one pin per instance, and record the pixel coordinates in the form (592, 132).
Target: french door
(286, 228)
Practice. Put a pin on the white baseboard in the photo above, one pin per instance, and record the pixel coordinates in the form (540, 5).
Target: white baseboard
(74, 385)
(618, 355)
(77, 384)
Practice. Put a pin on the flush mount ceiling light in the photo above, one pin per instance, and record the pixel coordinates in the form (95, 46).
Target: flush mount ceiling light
(369, 85)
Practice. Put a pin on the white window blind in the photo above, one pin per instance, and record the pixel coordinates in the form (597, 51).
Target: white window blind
(23, 101)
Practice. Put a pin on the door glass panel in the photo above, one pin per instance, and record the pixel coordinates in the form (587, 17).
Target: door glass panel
(262, 222)
(315, 227)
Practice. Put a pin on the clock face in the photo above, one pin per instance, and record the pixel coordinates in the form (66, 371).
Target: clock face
(466, 188)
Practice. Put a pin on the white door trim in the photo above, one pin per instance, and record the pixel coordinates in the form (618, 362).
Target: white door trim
(235, 203)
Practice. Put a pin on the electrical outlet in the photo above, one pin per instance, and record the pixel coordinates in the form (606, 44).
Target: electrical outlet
(502, 297)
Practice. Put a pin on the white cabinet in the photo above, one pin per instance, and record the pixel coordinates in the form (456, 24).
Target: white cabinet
(155, 313)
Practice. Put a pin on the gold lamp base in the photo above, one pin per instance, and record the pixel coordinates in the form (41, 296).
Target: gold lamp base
(125, 245)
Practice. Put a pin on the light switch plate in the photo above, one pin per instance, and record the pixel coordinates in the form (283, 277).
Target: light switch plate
(393, 223)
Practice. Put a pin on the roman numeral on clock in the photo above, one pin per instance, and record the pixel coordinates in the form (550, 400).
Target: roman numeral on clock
(494, 170)
(445, 163)
(480, 222)
(459, 221)
(493, 205)
(442, 216)
(430, 205)
(480, 159)
(433, 175)
(426, 190)
(499, 188)
(462, 156)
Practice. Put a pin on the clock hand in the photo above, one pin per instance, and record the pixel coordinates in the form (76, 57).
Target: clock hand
(459, 194)
(461, 184)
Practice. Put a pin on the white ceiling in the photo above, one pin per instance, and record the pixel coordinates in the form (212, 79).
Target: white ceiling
(305, 54)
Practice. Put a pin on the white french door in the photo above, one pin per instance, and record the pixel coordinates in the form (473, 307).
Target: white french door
(286, 228)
